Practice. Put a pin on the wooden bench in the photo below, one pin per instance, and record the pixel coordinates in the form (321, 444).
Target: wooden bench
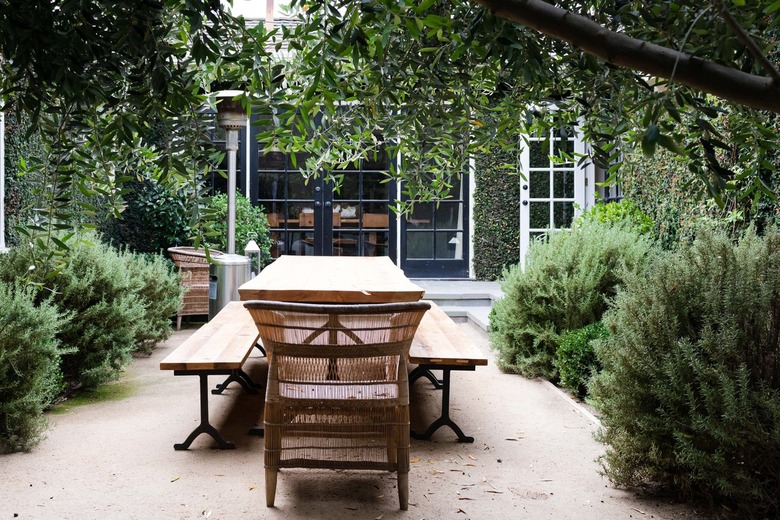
(220, 347)
(440, 345)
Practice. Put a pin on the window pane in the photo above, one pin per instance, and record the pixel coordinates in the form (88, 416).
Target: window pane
(349, 188)
(375, 243)
(271, 185)
(301, 244)
(373, 187)
(272, 161)
(297, 189)
(539, 184)
(345, 244)
(563, 184)
(564, 149)
(449, 245)
(539, 154)
(421, 217)
(376, 161)
(539, 215)
(563, 214)
(448, 215)
(419, 245)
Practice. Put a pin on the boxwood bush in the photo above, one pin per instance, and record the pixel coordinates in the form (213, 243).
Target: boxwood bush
(566, 284)
(690, 387)
(30, 375)
(576, 358)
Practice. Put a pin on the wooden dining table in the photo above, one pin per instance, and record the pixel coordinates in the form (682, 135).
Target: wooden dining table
(438, 344)
(332, 279)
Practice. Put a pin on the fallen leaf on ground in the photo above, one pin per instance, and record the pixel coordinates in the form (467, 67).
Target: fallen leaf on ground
(418, 459)
(638, 511)
(472, 457)
(174, 479)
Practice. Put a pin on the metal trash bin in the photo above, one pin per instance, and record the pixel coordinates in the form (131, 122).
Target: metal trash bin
(226, 274)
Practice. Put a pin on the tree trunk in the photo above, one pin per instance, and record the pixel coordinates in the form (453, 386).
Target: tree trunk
(623, 51)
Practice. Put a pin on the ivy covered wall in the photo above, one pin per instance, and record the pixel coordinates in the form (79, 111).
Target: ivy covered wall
(19, 197)
(496, 216)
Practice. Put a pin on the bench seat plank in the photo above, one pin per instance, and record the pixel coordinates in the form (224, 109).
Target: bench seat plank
(224, 343)
(439, 341)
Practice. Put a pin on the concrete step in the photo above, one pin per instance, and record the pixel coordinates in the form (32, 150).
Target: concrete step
(476, 315)
(463, 300)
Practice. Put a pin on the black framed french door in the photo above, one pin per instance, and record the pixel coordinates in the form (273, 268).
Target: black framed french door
(318, 217)
(435, 236)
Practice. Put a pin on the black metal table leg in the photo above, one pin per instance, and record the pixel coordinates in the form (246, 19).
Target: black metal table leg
(444, 419)
(205, 426)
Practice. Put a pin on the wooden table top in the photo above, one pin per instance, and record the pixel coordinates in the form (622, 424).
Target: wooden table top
(332, 279)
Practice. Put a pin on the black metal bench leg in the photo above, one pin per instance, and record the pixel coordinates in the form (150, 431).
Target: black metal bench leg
(444, 419)
(423, 371)
(205, 426)
(240, 377)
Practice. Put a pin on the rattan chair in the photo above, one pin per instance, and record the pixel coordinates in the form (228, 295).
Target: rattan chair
(194, 268)
(338, 393)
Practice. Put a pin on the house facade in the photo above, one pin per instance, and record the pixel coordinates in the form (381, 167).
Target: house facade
(434, 240)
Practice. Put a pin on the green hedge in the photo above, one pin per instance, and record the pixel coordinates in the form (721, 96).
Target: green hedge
(30, 375)
(19, 196)
(566, 284)
(496, 216)
(157, 286)
(251, 224)
(678, 203)
(690, 387)
(576, 358)
(154, 219)
(116, 302)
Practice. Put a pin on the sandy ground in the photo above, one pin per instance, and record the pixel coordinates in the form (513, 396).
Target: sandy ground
(534, 457)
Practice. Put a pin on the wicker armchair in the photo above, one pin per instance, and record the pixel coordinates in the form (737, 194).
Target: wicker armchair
(337, 394)
(194, 268)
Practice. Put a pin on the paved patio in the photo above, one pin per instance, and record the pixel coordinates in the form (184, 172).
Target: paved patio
(534, 457)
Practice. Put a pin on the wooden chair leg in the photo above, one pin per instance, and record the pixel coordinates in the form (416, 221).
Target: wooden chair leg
(270, 486)
(403, 490)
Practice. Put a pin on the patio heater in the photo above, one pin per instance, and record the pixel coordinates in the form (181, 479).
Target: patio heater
(232, 117)
(229, 271)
